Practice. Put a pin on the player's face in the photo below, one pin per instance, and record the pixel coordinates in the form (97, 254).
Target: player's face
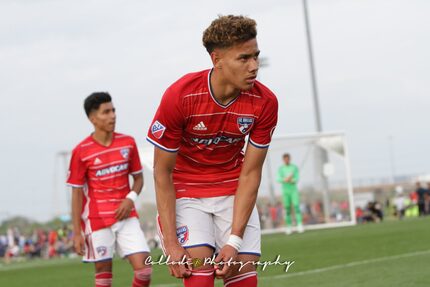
(239, 64)
(287, 160)
(104, 118)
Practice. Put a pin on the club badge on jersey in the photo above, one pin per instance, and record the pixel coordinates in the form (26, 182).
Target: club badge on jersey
(125, 152)
(158, 129)
(244, 124)
(182, 234)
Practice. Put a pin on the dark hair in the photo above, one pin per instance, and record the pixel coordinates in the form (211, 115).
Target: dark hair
(93, 101)
(226, 31)
(286, 155)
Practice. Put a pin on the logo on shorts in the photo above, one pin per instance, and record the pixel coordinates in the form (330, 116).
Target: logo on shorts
(101, 250)
(182, 234)
(125, 152)
(244, 124)
(158, 129)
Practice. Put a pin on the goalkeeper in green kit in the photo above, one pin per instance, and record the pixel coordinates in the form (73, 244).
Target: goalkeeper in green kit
(288, 176)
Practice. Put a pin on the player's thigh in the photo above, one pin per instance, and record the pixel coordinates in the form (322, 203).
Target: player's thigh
(295, 197)
(223, 220)
(130, 239)
(286, 198)
(99, 245)
(194, 224)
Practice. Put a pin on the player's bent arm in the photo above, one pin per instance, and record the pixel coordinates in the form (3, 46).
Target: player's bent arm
(127, 205)
(164, 163)
(137, 182)
(246, 194)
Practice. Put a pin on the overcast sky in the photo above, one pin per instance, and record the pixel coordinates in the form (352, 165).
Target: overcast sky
(372, 60)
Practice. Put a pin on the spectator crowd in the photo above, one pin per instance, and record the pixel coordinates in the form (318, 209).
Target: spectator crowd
(42, 243)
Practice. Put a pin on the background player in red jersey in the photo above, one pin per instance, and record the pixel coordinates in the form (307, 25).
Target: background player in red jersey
(206, 186)
(103, 210)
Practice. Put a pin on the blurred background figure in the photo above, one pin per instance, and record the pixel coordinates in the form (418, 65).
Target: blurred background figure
(288, 176)
(399, 202)
(421, 194)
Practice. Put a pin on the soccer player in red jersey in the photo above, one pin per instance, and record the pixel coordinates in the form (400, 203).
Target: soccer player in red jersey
(103, 212)
(206, 184)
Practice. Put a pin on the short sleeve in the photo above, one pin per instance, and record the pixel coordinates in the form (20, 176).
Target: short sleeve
(135, 164)
(77, 170)
(265, 125)
(167, 126)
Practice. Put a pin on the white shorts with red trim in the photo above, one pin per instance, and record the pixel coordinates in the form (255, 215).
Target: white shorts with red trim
(207, 222)
(125, 236)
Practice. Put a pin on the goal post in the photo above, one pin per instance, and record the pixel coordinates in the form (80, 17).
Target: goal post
(325, 185)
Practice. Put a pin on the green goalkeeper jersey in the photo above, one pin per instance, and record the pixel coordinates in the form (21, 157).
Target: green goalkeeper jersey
(286, 171)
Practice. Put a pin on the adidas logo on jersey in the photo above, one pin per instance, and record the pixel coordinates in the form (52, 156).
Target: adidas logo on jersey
(97, 161)
(200, 127)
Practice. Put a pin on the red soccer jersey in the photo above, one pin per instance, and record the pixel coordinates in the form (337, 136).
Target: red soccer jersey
(208, 136)
(103, 172)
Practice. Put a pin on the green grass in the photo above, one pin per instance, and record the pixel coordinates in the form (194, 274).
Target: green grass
(394, 253)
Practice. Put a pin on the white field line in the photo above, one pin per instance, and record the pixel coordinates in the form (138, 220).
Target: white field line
(346, 265)
(330, 268)
(312, 271)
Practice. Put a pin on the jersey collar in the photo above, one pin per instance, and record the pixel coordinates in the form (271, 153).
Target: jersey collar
(212, 96)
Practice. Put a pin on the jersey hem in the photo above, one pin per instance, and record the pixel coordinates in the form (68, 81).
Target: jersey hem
(74, 185)
(258, 145)
(137, 171)
(198, 194)
(161, 146)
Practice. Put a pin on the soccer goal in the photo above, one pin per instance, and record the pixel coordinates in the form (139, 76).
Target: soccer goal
(325, 188)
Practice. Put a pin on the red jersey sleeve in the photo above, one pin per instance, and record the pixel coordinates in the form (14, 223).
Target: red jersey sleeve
(77, 170)
(168, 123)
(135, 164)
(265, 125)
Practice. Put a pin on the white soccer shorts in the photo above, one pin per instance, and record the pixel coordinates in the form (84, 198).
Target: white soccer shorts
(125, 236)
(207, 222)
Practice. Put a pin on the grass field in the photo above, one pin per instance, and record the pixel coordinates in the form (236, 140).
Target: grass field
(394, 253)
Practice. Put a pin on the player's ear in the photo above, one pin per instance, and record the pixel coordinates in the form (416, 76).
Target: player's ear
(92, 117)
(216, 59)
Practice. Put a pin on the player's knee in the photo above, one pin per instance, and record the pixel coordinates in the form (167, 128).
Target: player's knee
(245, 263)
(105, 266)
(144, 273)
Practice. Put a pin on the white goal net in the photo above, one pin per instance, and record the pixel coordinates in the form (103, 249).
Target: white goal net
(326, 197)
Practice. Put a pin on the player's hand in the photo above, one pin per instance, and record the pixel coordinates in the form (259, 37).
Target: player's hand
(178, 255)
(79, 244)
(124, 209)
(226, 257)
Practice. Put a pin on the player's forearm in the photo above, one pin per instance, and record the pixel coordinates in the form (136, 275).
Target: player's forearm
(77, 195)
(166, 203)
(244, 201)
(137, 183)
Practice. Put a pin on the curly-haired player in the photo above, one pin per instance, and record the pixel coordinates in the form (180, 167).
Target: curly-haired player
(206, 184)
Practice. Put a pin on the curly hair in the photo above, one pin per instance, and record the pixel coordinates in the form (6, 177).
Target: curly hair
(226, 31)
